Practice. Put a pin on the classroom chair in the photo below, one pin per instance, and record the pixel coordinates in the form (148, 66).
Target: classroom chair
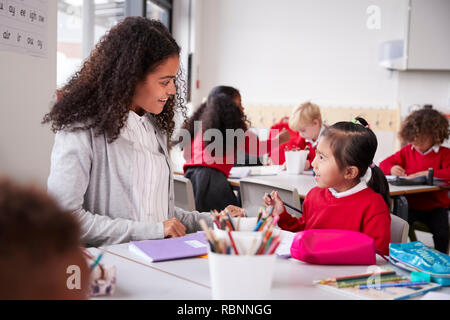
(252, 193)
(184, 193)
(399, 229)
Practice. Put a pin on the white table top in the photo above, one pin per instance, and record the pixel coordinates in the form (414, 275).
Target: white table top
(305, 182)
(189, 278)
(139, 281)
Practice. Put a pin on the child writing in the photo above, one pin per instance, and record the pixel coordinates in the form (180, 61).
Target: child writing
(306, 119)
(351, 193)
(425, 130)
(207, 169)
(38, 242)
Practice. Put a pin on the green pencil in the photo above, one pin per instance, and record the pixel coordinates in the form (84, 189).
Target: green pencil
(352, 283)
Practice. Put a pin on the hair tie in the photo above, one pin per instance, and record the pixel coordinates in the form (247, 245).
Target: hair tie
(355, 121)
(367, 127)
(372, 165)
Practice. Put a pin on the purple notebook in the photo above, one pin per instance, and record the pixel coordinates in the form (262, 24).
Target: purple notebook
(191, 245)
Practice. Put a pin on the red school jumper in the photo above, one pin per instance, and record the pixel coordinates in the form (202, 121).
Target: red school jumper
(296, 141)
(364, 211)
(414, 161)
(201, 157)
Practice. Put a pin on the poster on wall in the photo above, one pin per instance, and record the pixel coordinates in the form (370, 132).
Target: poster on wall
(23, 27)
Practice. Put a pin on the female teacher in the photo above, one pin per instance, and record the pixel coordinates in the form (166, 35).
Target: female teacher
(110, 162)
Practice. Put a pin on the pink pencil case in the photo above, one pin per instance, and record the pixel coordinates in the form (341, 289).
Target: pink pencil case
(329, 246)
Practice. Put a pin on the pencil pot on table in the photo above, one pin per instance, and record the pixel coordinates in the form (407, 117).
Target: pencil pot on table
(295, 161)
(242, 276)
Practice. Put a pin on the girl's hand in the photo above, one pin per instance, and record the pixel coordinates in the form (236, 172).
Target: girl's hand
(283, 167)
(173, 228)
(417, 174)
(275, 201)
(284, 136)
(397, 171)
(235, 211)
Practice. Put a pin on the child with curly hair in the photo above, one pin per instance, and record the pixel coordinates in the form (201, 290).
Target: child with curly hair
(110, 163)
(425, 130)
(208, 169)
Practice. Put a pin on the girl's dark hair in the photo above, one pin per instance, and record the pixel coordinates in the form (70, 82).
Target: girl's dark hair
(355, 144)
(100, 94)
(425, 122)
(219, 112)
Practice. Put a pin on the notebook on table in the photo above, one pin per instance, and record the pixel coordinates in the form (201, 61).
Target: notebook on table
(191, 245)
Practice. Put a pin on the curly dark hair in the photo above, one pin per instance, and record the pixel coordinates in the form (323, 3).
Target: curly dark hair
(100, 94)
(220, 112)
(425, 122)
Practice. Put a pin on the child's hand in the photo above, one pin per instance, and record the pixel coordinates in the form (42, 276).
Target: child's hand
(283, 167)
(235, 211)
(284, 136)
(397, 171)
(275, 201)
(417, 174)
(307, 165)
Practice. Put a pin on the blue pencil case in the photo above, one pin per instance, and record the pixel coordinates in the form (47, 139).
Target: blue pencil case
(415, 256)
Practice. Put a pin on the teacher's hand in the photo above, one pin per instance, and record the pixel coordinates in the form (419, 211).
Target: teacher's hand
(235, 211)
(173, 228)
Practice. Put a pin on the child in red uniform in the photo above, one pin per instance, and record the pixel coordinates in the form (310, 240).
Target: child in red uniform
(207, 167)
(425, 130)
(351, 193)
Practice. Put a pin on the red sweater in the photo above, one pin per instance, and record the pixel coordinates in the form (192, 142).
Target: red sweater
(296, 141)
(413, 161)
(200, 156)
(364, 211)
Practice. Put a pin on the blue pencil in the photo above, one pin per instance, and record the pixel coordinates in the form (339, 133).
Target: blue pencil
(393, 284)
(99, 257)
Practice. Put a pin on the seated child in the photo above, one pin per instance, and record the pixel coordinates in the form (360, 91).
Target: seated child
(207, 167)
(351, 193)
(306, 119)
(38, 242)
(425, 130)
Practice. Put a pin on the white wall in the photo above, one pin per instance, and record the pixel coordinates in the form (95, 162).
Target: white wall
(27, 85)
(288, 51)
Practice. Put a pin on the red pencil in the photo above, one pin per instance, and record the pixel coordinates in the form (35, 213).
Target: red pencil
(232, 241)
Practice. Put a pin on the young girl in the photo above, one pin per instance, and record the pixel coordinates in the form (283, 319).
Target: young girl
(208, 171)
(425, 130)
(351, 193)
(110, 163)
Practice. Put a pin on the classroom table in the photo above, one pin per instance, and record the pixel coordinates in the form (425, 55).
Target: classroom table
(189, 278)
(139, 281)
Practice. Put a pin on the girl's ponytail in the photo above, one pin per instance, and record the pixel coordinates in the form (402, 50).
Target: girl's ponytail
(379, 184)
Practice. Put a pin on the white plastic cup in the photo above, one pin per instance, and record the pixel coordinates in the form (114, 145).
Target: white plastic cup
(242, 277)
(295, 161)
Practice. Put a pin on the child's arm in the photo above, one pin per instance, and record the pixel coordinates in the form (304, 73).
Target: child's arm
(378, 227)
(393, 165)
(255, 147)
(444, 171)
(286, 222)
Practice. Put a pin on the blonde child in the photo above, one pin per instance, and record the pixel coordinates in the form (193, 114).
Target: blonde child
(351, 193)
(425, 130)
